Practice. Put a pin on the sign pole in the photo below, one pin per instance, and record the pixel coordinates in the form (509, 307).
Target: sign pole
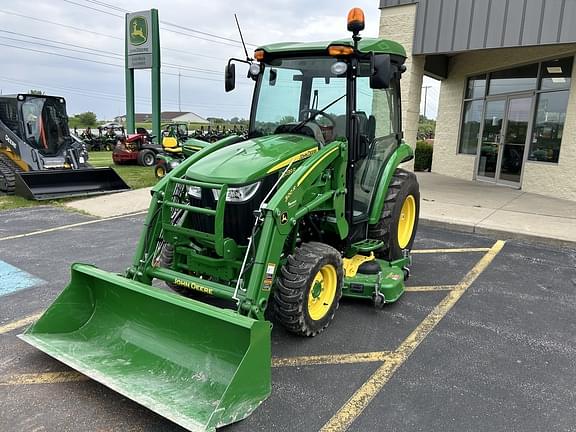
(156, 103)
(129, 73)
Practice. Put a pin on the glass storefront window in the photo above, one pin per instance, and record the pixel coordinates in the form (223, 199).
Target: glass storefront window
(548, 126)
(557, 74)
(471, 126)
(476, 87)
(522, 78)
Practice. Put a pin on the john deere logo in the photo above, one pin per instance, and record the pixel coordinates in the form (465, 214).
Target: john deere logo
(138, 30)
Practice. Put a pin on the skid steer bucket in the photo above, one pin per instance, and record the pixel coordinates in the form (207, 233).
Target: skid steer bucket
(200, 366)
(53, 184)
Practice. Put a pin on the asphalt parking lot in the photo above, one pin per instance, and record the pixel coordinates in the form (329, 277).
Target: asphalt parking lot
(484, 340)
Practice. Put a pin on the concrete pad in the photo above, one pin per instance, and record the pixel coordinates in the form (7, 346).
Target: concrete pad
(114, 204)
(521, 225)
(450, 213)
(436, 187)
(542, 205)
(478, 207)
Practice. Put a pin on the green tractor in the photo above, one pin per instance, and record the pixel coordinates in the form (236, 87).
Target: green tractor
(312, 207)
(176, 146)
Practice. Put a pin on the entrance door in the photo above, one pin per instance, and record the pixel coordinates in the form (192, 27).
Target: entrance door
(503, 142)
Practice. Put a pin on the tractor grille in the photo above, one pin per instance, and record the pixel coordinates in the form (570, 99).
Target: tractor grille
(238, 217)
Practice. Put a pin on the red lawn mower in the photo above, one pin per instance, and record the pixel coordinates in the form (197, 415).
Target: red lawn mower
(136, 148)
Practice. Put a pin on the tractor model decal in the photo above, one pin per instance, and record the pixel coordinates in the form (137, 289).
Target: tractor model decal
(193, 286)
(300, 156)
(138, 30)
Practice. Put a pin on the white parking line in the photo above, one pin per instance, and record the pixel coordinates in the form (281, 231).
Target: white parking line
(74, 225)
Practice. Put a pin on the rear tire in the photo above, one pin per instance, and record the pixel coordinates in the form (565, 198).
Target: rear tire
(146, 158)
(399, 221)
(308, 289)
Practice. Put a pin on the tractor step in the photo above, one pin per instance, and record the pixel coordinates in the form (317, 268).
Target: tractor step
(367, 245)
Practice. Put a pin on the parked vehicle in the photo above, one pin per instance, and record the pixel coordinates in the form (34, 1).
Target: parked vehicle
(303, 212)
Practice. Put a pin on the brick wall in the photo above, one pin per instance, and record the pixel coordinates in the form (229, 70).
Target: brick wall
(398, 24)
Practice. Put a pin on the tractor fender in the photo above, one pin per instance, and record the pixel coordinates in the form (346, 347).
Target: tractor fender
(403, 153)
(292, 200)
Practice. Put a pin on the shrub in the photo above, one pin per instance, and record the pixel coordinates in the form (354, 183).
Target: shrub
(423, 156)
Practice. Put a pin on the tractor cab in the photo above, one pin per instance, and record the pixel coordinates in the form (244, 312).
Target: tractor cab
(339, 91)
(45, 123)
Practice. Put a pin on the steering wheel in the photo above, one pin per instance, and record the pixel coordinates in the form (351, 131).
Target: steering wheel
(314, 113)
(317, 128)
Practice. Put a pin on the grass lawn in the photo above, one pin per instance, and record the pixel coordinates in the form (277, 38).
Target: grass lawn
(136, 177)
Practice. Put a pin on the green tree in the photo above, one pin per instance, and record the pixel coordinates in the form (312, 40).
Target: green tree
(88, 119)
(426, 128)
(287, 119)
(83, 120)
(36, 92)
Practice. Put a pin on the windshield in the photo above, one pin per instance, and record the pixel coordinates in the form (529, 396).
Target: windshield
(45, 123)
(290, 88)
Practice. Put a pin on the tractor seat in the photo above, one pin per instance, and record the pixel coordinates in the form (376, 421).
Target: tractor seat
(170, 145)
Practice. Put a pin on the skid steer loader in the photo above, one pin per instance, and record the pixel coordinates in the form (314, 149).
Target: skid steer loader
(310, 208)
(39, 159)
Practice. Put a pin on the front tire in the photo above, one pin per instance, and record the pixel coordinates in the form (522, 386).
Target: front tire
(399, 221)
(159, 171)
(309, 288)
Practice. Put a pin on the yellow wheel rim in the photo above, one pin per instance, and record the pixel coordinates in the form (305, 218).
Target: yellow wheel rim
(160, 172)
(322, 292)
(406, 222)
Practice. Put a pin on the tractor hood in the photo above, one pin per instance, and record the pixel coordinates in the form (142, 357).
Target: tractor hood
(249, 161)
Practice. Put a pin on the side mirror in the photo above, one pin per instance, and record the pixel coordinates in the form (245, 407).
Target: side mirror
(359, 145)
(273, 77)
(382, 72)
(230, 77)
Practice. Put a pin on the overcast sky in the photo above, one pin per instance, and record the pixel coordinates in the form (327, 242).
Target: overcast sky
(74, 48)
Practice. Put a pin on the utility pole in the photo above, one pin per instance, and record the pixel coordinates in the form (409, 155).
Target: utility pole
(426, 98)
(179, 106)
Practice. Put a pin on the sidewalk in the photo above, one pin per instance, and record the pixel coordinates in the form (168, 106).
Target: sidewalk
(445, 201)
(489, 209)
(114, 204)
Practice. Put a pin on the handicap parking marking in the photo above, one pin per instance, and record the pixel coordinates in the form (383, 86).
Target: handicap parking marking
(13, 279)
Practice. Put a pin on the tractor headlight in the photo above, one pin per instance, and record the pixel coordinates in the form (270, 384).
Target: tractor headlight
(174, 164)
(238, 194)
(195, 192)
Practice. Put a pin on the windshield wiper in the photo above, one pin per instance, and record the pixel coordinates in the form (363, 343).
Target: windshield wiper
(313, 116)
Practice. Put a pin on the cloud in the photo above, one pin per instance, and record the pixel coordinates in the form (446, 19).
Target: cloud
(98, 87)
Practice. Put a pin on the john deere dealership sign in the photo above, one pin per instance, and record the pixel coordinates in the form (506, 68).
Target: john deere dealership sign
(142, 52)
(139, 40)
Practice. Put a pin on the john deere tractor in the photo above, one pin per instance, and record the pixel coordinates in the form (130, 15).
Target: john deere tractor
(312, 207)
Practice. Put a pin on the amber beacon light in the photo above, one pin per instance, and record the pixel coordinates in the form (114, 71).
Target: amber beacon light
(355, 20)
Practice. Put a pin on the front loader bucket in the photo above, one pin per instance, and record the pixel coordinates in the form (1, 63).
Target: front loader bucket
(54, 184)
(200, 366)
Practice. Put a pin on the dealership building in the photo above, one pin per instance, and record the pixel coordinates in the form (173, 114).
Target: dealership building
(507, 105)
